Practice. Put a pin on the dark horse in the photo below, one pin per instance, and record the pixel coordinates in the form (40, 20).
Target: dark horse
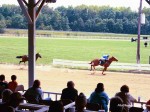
(25, 57)
(95, 62)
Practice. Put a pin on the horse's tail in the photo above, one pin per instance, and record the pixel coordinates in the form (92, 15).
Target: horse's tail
(90, 63)
(18, 56)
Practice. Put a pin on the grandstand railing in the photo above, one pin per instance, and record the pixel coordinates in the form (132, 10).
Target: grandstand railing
(53, 95)
(56, 96)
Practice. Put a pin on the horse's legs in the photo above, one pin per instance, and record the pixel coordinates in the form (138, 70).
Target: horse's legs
(94, 68)
(91, 68)
(20, 62)
(105, 68)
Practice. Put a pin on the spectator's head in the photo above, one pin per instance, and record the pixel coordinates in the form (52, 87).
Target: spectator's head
(13, 77)
(148, 105)
(36, 84)
(2, 77)
(11, 109)
(56, 106)
(15, 99)
(99, 88)
(70, 84)
(6, 95)
(80, 102)
(124, 89)
(116, 104)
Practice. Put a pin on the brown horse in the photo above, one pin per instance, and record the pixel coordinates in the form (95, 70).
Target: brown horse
(95, 62)
(25, 57)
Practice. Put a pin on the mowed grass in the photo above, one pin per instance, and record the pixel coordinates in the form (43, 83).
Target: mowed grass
(72, 49)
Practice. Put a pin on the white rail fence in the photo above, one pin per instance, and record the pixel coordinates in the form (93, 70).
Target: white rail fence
(68, 36)
(85, 64)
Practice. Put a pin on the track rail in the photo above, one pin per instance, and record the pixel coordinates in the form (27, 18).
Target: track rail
(85, 64)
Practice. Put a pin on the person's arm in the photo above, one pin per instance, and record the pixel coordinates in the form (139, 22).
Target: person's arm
(132, 99)
(41, 94)
(62, 95)
(106, 98)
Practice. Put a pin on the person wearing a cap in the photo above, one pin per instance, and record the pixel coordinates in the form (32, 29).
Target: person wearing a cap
(103, 59)
(15, 99)
(147, 106)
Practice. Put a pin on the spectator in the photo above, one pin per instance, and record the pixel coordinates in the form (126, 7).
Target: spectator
(116, 104)
(14, 101)
(80, 102)
(3, 84)
(6, 95)
(13, 84)
(56, 106)
(147, 106)
(100, 97)
(34, 94)
(3, 78)
(70, 92)
(126, 97)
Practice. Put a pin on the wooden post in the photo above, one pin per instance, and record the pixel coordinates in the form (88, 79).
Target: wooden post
(31, 42)
(149, 59)
(139, 32)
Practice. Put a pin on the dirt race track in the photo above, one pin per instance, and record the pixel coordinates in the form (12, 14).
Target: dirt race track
(55, 79)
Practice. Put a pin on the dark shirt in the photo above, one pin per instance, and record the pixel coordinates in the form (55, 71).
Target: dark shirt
(34, 95)
(69, 93)
(4, 107)
(3, 85)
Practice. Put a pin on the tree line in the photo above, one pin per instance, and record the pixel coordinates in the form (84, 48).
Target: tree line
(81, 18)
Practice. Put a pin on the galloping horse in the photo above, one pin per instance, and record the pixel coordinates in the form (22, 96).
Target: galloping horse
(95, 62)
(25, 57)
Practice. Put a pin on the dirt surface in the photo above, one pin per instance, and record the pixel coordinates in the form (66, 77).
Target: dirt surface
(55, 79)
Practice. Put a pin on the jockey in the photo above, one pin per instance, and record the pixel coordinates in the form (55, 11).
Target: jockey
(103, 59)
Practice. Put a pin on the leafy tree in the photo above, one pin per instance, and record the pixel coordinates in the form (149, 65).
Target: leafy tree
(2, 23)
(80, 18)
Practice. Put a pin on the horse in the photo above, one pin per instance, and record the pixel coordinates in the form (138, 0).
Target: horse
(95, 62)
(25, 57)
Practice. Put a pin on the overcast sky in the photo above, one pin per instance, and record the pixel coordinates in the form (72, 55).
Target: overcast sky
(133, 4)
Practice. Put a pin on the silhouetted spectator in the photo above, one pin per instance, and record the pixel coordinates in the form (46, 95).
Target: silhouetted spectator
(13, 84)
(34, 94)
(80, 102)
(14, 101)
(116, 104)
(6, 95)
(126, 97)
(100, 97)
(3, 84)
(2, 78)
(56, 106)
(70, 92)
(147, 106)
